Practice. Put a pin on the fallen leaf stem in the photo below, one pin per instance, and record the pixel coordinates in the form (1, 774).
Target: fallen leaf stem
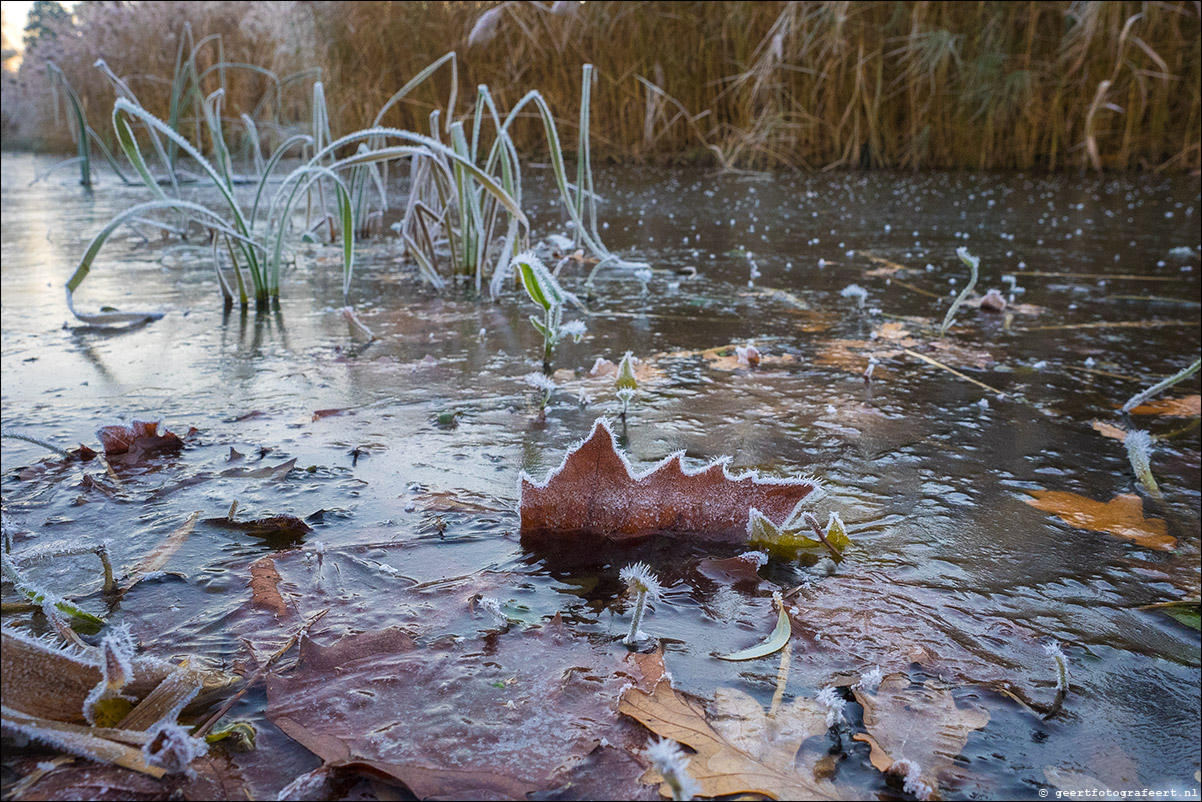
(1179, 376)
(813, 522)
(204, 728)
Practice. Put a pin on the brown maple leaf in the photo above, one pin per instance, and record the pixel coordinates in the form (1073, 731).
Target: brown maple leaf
(595, 491)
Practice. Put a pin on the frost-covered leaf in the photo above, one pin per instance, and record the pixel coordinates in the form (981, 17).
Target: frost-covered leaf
(595, 491)
(52, 682)
(496, 718)
(785, 543)
(1123, 516)
(740, 748)
(915, 731)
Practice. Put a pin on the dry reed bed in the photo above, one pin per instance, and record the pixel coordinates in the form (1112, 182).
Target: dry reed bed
(1029, 85)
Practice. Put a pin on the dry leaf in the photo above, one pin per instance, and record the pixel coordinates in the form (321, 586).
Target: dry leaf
(1189, 406)
(1123, 516)
(50, 682)
(595, 491)
(130, 444)
(264, 580)
(267, 472)
(1109, 430)
(736, 357)
(920, 727)
(740, 748)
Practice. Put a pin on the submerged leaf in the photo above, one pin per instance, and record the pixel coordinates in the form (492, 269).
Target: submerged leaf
(595, 491)
(1189, 406)
(740, 748)
(510, 710)
(1123, 515)
(915, 731)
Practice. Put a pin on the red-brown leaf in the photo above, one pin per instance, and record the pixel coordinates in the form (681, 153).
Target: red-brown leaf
(596, 492)
(139, 439)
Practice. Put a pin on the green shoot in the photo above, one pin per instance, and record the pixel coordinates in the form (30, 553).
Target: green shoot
(973, 263)
(544, 290)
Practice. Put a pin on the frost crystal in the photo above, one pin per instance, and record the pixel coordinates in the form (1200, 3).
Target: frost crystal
(638, 577)
(540, 381)
(911, 773)
(116, 669)
(855, 291)
(492, 606)
(670, 761)
(574, 329)
(171, 748)
(756, 558)
(1139, 451)
(870, 680)
(830, 699)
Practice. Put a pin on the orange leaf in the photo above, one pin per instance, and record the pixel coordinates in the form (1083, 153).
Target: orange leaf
(1123, 516)
(595, 491)
(1189, 406)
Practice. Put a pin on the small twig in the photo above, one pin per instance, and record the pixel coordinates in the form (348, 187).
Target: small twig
(37, 442)
(955, 372)
(1106, 276)
(782, 679)
(973, 264)
(813, 522)
(203, 730)
(1113, 324)
(1165, 384)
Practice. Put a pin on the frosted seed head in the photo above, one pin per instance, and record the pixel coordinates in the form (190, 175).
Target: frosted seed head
(638, 577)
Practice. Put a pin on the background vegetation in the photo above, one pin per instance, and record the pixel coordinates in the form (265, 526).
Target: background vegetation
(993, 85)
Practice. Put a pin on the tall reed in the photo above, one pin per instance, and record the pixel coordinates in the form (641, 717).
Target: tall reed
(1027, 85)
